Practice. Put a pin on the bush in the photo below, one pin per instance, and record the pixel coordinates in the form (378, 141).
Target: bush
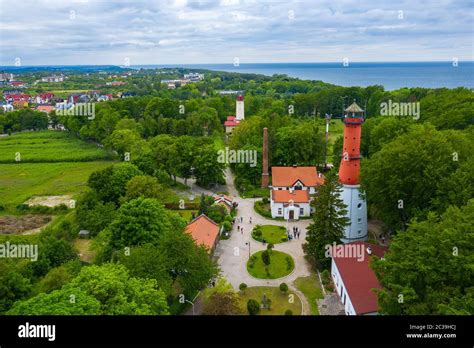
(2, 207)
(283, 287)
(289, 263)
(259, 207)
(325, 277)
(227, 226)
(284, 239)
(266, 257)
(265, 200)
(253, 307)
(288, 312)
(269, 303)
(242, 286)
(270, 246)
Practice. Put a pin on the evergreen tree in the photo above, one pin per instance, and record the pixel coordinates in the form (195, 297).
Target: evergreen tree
(329, 220)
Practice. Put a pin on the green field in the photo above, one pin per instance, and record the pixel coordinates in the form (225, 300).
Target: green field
(279, 266)
(281, 302)
(18, 182)
(48, 146)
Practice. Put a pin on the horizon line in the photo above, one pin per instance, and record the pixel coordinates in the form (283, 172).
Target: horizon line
(177, 64)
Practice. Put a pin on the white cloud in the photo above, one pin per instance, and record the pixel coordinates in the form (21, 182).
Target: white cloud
(206, 31)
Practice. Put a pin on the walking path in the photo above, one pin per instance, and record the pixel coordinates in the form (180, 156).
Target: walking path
(232, 254)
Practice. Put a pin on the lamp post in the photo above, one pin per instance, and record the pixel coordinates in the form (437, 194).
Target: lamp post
(248, 243)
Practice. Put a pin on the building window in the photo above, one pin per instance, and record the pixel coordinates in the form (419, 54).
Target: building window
(359, 220)
(279, 211)
(301, 211)
(359, 205)
(359, 231)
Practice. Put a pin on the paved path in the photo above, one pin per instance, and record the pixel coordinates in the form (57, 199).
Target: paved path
(233, 254)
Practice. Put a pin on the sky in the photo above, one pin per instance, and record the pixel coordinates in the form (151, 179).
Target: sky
(83, 32)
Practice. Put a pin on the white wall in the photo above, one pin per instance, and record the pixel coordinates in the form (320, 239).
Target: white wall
(348, 307)
(356, 212)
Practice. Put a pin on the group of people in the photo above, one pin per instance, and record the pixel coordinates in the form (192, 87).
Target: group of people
(296, 233)
(241, 220)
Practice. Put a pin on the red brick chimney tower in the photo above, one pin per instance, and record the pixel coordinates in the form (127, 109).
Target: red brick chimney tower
(265, 176)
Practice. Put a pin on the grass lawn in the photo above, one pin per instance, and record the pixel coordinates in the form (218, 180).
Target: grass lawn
(20, 181)
(270, 233)
(310, 287)
(280, 301)
(48, 146)
(281, 264)
(83, 246)
(186, 213)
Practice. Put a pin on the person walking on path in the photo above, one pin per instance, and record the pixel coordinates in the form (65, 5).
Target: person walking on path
(250, 220)
(242, 230)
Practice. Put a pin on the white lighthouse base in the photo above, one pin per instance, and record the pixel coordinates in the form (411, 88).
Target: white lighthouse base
(356, 213)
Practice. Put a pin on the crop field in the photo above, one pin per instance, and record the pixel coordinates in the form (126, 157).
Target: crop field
(48, 146)
(51, 163)
(18, 182)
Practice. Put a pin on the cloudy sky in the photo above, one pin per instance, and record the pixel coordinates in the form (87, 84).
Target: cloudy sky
(170, 32)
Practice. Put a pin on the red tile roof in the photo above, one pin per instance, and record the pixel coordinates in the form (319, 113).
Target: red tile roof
(204, 231)
(231, 121)
(359, 279)
(284, 196)
(45, 108)
(287, 176)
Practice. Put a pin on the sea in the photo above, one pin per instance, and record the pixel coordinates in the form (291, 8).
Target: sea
(391, 75)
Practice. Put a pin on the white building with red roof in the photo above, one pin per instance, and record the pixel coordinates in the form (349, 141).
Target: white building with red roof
(291, 191)
(353, 278)
(234, 121)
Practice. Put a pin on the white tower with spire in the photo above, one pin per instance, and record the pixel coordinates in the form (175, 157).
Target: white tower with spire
(239, 108)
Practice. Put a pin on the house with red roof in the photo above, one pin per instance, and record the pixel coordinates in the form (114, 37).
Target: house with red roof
(204, 232)
(353, 278)
(291, 191)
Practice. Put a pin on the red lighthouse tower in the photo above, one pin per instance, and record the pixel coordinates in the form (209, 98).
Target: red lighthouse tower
(350, 163)
(349, 175)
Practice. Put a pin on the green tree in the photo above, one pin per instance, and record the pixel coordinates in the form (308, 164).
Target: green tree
(401, 180)
(329, 220)
(111, 183)
(59, 302)
(253, 307)
(144, 186)
(428, 269)
(140, 221)
(117, 292)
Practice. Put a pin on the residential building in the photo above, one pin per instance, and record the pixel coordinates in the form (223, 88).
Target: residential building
(204, 232)
(353, 278)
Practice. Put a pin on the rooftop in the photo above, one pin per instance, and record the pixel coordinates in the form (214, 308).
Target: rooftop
(359, 279)
(204, 231)
(288, 176)
(285, 196)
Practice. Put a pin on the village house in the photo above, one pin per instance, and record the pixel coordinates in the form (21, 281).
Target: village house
(291, 191)
(353, 278)
(204, 232)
